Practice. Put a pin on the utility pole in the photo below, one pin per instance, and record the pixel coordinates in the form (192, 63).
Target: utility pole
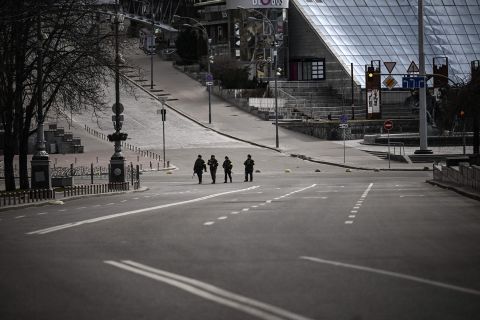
(422, 90)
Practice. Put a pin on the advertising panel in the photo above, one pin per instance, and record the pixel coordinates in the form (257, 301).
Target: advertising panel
(257, 4)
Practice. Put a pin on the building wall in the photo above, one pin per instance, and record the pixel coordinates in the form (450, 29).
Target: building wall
(304, 42)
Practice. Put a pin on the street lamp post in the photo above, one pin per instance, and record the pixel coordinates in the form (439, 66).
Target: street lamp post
(209, 79)
(152, 42)
(40, 161)
(274, 48)
(117, 161)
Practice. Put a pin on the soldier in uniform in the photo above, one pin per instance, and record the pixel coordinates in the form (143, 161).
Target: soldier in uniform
(227, 167)
(249, 163)
(213, 164)
(199, 167)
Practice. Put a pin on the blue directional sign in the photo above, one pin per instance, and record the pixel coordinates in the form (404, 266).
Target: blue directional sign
(209, 77)
(413, 82)
(343, 118)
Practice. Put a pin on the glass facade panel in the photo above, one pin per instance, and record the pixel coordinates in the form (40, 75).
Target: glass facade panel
(359, 31)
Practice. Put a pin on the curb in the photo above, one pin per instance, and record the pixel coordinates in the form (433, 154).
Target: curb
(47, 202)
(261, 145)
(457, 189)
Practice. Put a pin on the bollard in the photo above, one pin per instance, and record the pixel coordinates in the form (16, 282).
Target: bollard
(158, 166)
(14, 198)
(150, 165)
(75, 160)
(97, 159)
(71, 170)
(168, 164)
(138, 158)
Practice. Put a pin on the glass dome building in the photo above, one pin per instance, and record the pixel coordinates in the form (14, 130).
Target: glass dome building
(361, 31)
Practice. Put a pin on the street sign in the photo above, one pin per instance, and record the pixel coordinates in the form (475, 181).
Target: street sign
(343, 118)
(209, 77)
(209, 83)
(413, 82)
(388, 125)
(343, 125)
(413, 68)
(389, 66)
(390, 82)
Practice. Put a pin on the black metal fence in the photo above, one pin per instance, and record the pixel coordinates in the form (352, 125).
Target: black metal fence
(86, 189)
(26, 196)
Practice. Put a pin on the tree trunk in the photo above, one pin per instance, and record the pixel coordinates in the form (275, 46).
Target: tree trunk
(476, 133)
(9, 154)
(23, 162)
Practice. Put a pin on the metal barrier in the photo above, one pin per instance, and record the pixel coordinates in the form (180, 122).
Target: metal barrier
(86, 189)
(26, 196)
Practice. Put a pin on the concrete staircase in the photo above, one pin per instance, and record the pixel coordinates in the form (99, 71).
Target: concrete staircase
(316, 100)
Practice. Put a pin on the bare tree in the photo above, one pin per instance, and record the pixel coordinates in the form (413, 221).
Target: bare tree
(76, 61)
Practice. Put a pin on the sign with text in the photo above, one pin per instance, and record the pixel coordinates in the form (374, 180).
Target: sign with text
(257, 4)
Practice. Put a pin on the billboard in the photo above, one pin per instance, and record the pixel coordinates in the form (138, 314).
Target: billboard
(257, 4)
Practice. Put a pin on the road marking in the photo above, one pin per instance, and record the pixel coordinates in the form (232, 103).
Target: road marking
(79, 208)
(62, 210)
(314, 197)
(245, 209)
(394, 274)
(222, 218)
(262, 204)
(123, 201)
(277, 198)
(97, 205)
(268, 201)
(209, 292)
(356, 207)
(208, 223)
(19, 217)
(122, 214)
(353, 211)
(254, 206)
(136, 198)
(41, 213)
(234, 212)
(411, 195)
(109, 204)
(348, 222)
(351, 216)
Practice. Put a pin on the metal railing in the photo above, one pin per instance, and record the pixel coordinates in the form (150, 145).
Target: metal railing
(26, 196)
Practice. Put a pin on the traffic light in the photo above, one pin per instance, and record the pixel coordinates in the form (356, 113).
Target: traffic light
(210, 59)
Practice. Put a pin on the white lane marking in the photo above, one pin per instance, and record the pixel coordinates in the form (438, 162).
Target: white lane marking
(352, 216)
(234, 212)
(109, 204)
(123, 201)
(348, 222)
(254, 206)
(208, 223)
(62, 210)
(353, 211)
(136, 198)
(268, 201)
(394, 274)
(411, 195)
(209, 292)
(277, 198)
(97, 205)
(356, 207)
(325, 191)
(222, 218)
(245, 209)
(314, 197)
(121, 214)
(262, 204)
(41, 213)
(19, 217)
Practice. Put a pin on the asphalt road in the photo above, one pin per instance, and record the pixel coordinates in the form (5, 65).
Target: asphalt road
(298, 245)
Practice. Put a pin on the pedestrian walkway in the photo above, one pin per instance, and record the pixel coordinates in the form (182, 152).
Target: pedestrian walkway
(190, 98)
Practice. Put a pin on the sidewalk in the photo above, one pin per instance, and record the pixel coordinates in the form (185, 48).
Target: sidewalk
(192, 101)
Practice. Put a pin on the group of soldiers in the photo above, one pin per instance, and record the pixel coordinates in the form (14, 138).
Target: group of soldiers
(200, 167)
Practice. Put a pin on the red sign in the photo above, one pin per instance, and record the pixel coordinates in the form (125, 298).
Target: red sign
(388, 125)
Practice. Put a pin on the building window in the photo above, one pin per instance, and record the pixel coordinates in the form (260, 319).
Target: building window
(309, 69)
